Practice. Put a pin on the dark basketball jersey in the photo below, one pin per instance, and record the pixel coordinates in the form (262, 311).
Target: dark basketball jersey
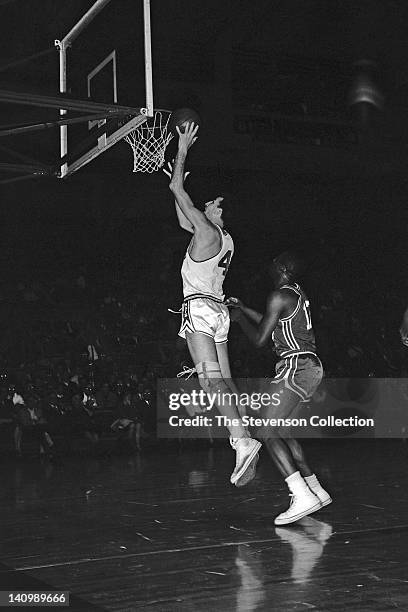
(294, 334)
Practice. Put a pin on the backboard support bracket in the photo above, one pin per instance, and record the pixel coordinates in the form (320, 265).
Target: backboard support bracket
(106, 141)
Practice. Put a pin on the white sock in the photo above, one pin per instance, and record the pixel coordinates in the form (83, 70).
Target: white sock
(312, 482)
(296, 483)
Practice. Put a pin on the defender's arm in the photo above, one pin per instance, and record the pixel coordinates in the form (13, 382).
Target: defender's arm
(261, 333)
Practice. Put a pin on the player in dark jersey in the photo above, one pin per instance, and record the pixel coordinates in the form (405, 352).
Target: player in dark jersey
(298, 374)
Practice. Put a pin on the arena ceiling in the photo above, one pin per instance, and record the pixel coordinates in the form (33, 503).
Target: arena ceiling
(293, 39)
(338, 31)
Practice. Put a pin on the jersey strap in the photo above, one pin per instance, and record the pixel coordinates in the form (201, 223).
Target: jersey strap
(222, 236)
(294, 288)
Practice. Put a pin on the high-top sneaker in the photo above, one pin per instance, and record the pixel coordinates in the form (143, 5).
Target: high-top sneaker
(249, 474)
(246, 449)
(303, 501)
(316, 488)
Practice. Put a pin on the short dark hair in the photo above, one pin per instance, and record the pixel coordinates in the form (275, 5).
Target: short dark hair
(292, 262)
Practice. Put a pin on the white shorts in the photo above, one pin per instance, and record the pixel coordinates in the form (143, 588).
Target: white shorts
(205, 316)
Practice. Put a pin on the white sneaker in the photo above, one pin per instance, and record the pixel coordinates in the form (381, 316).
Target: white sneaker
(300, 505)
(246, 449)
(249, 475)
(323, 495)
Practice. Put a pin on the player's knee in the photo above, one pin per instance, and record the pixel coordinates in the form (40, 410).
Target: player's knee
(209, 375)
(212, 381)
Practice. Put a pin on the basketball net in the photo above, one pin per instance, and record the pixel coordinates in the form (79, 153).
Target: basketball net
(149, 141)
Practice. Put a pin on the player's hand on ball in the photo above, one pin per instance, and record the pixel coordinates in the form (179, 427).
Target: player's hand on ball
(188, 137)
(169, 170)
(233, 302)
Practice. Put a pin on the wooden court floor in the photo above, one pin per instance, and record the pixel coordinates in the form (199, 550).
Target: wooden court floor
(165, 531)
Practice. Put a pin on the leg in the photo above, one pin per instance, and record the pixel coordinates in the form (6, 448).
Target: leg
(204, 354)
(304, 501)
(203, 351)
(299, 457)
(289, 457)
(223, 360)
(130, 436)
(281, 456)
(18, 436)
(279, 448)
(138, 431)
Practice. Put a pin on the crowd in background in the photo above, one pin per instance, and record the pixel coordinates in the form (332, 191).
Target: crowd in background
(80, 357)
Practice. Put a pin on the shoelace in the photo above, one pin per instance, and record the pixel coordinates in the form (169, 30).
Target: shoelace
(174, 311)
(187, 372)
(232, 442)
(292, 499)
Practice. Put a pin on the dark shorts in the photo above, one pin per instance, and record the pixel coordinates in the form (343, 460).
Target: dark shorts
(301, 373)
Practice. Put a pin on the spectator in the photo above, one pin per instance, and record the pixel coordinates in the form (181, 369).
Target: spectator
(82, 420)
(130, 420)
(32, 422)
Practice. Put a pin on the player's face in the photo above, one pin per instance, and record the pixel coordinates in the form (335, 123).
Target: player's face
(213, 211)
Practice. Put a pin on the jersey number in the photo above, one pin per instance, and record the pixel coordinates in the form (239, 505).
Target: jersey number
(306, 308)
(225, 262)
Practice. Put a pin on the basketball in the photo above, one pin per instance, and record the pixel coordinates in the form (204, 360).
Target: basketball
(180, 117)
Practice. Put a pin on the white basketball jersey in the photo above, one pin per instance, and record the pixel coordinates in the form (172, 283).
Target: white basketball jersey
(205, 278)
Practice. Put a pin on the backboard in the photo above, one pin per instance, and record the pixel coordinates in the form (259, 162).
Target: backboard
(104, 58)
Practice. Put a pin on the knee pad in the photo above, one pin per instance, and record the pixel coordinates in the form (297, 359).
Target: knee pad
(209, 375)
(212, 382)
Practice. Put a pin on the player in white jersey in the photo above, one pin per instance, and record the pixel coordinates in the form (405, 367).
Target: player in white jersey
(205, 318)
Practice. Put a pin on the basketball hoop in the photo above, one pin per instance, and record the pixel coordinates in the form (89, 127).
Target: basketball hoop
(149, 141)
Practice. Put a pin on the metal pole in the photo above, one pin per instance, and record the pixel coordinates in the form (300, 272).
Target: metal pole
(83, 22)
(29, 99)
(148, 57)
(25, 167)
(24, 60)
(62, 45)
(19, 155)
(36, 127)
(25, 177)
(63, 88)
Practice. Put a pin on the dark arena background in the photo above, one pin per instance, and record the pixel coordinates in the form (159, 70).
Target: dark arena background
(304, 132)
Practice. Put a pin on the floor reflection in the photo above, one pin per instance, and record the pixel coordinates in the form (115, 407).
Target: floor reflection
(28, 481)
(307, 540)
(251, 592)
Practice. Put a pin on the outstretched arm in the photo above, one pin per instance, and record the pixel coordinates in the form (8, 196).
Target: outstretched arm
(261, 333)
(252, 314)
(194, 216)
(182, 219)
